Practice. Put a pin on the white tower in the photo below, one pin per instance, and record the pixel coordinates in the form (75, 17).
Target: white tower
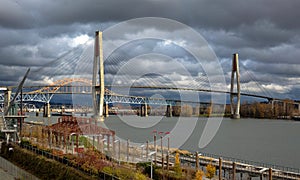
(98, 69)
(235, 73)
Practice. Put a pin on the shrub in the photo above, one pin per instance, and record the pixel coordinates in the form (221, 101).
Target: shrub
(108, 170)
(123, 173)
(210, 171)
(177, 167)
(199, 175)
(41, 167)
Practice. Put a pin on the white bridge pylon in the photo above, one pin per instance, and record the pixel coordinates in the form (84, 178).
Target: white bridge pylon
(235, 76)
(98, 77)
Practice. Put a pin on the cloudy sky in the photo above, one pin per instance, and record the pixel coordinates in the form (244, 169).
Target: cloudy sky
(265, 33)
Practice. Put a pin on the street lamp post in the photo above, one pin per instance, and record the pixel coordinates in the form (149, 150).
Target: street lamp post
(168, 152)
(168, 144)
(151, 167)
(162, 152)
(154, 143)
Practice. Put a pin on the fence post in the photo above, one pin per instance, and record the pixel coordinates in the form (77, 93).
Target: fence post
(197, 161)
(155, 149)
(233, 170)
(220, 168)
(270, 173)
(168, 161)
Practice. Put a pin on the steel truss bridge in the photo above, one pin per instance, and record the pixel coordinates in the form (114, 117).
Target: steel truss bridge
(44, 94)
(80, 86)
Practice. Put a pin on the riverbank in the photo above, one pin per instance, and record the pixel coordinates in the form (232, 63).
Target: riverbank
(184, 167)
(266, 141)
(42, 168)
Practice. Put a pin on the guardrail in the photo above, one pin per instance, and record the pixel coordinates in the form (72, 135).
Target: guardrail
(251, 168)
(260, 164)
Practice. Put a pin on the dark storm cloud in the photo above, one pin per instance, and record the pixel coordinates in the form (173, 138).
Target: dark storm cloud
(264, 33)
(280, 69)
(13, 15)
(210, 14)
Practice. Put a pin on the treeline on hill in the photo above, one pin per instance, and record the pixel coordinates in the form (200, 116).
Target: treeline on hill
(249, 110)
(187, 110)
(266, 110)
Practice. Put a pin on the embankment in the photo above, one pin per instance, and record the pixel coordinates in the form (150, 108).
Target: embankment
(40, 166)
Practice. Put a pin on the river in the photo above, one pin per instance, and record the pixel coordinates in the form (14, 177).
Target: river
(260, 140)
(268, 141)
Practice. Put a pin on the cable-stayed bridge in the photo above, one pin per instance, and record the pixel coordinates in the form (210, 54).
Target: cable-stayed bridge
(67, 81)
(67, 68)
(65, 86)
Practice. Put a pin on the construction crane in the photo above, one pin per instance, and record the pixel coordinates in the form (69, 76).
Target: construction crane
(7, 124)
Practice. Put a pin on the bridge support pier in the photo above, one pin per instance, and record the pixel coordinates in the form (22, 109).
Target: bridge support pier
(63, 110)
(47, 110)
(106, 110)
(169, 110)
(144, 110)
(235, 108)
